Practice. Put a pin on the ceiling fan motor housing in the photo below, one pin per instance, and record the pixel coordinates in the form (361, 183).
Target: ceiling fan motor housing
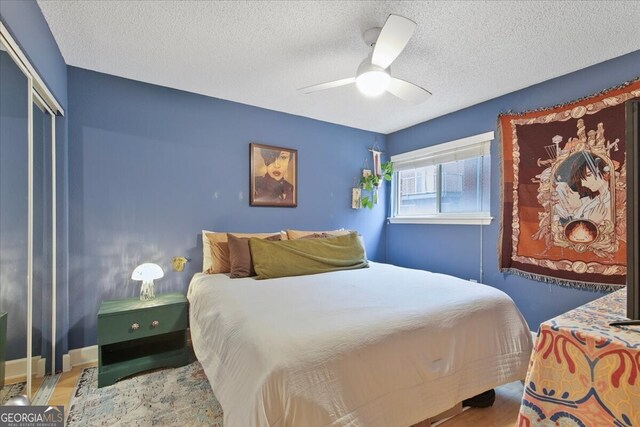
(371, 35)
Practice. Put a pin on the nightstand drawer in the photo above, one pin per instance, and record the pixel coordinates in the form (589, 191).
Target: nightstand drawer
(141, 323)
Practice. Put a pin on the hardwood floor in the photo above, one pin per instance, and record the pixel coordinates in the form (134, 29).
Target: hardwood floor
(66, 385)
(503, 413)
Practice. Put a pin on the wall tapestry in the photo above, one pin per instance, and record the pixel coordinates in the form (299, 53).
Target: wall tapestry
(273, 173)
(564, 192)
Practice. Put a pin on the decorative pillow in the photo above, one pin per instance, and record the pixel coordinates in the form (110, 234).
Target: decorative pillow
(207, 261)
(306, 256)
(240, 255)
(298, 234)
(218, 250)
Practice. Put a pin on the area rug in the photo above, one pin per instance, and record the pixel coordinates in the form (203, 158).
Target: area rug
(169, 397)
(564, 191)
(11, 390)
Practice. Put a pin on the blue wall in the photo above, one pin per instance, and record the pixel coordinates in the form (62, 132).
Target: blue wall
(150, 167)
(455, 249)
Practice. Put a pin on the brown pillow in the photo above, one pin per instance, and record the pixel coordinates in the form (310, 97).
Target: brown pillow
(219, 250)
(240, 256)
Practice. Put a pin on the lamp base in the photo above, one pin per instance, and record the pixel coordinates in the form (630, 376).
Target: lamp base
(147, 292)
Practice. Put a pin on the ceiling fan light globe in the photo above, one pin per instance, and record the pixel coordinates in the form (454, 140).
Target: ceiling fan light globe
(373, 83)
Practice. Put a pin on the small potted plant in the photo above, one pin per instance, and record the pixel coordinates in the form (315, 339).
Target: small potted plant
(371, 181)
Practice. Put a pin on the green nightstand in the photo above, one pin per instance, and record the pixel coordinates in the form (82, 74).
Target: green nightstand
(135, 335)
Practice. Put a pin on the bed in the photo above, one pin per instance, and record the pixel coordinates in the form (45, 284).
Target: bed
(379, 346)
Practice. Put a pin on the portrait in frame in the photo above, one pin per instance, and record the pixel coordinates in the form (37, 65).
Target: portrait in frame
(273, 176)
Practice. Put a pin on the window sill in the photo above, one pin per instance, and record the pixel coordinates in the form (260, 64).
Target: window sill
(443, 219)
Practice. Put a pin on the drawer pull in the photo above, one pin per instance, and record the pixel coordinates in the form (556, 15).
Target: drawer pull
(135, 326)
(155, 324)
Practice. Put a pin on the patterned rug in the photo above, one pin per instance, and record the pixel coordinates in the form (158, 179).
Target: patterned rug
(169, 397)
(11, 390)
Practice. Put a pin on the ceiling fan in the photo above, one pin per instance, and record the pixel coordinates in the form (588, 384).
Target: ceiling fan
(373, 76)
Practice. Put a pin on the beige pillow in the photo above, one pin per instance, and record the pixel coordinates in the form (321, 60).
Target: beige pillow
(298, 234)
(218, 248)
(207, 261)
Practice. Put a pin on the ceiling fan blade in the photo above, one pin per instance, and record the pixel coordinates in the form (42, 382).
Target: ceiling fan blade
(408, 91)
(394, 36)
(327, 85)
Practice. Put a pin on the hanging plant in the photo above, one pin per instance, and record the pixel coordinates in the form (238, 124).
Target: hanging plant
(370, 183)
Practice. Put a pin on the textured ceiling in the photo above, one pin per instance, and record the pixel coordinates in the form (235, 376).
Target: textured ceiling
(259, 53)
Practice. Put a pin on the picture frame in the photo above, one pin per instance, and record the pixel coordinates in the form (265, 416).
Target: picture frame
(273, 176)
(356, 194)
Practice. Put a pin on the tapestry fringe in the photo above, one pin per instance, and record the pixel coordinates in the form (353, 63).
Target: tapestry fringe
(564, 104)
(600, 287)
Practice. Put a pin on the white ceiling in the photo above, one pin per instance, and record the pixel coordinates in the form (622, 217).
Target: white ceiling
(259, 53)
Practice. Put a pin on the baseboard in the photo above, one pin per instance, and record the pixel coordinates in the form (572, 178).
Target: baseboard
(16, 370)
(79, 356)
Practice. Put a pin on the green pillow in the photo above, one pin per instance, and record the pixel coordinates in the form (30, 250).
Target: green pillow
(306, 256)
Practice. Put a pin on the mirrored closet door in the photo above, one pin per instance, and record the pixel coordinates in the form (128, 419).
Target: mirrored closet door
(27, 224)
(14, 205)
(42, 249)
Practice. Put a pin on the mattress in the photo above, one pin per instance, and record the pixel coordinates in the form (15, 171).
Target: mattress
(381, 346)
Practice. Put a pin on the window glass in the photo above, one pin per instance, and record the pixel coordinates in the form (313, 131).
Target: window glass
(464, 186)
(458, 187)
(417, 191)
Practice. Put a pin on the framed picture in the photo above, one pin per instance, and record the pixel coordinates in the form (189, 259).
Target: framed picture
(273, 176)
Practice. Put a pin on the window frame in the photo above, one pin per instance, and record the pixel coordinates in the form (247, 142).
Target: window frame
(476, 146)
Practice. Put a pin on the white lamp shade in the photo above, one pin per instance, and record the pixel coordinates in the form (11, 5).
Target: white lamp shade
(371, 79)
(373, 83)
(147, 271)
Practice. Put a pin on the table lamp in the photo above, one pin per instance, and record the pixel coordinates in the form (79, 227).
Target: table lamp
(147, 272)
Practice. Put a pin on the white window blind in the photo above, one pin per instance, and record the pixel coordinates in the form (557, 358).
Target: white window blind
(443, 184)
(461, 149)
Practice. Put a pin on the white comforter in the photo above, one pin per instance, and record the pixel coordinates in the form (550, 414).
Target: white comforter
(383, 346)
